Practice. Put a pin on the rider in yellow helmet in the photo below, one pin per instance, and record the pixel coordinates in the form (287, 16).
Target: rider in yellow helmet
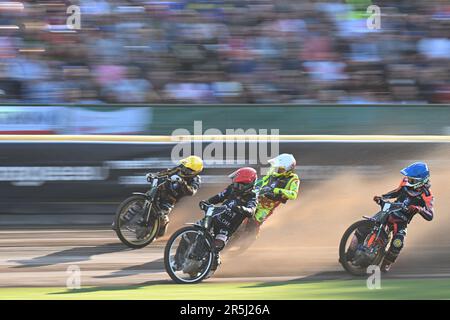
(183, 180)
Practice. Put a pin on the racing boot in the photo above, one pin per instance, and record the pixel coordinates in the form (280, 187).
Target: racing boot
(388, 261)
(385, 266)
(215, 264)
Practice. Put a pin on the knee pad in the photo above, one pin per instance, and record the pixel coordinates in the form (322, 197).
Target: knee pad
(219, 242)
(397, 243)
(165, 207)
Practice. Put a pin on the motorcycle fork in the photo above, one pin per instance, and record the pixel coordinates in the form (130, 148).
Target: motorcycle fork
(195, 250)
(148, 209)
(374, 237)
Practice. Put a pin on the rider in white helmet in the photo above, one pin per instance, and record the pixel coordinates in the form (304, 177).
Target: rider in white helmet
(279, 185)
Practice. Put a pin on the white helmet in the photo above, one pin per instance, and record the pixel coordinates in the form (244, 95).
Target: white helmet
(284, 164)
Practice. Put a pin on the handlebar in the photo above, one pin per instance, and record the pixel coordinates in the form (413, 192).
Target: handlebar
(384, 201)
(395, 208)
(152, 176)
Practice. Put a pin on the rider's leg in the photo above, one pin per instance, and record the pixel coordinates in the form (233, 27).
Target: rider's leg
(397, 244)
(262, 214)
(219, 243)
(166, 208)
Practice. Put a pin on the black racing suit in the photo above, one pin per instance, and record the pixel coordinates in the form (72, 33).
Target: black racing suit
(422, 199)
(172, 191)
(241, 206)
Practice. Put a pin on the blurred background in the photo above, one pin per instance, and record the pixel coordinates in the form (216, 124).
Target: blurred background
(225, 51)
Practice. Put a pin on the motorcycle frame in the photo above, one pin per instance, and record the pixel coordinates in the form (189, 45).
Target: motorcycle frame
(381, 221)
(150, 196)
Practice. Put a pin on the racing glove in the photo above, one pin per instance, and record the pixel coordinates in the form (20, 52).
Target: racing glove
(245, 211)
(230, 205)
(377, 199)
(202, 204)
(176, 178)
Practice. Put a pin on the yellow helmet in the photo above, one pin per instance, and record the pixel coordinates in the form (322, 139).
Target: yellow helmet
(194, 165)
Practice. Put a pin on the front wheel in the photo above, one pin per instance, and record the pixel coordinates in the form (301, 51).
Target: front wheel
(349, 242)
(130, 226)
(188, 256)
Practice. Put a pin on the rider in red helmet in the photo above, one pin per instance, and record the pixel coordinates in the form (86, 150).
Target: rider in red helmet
(240, 198)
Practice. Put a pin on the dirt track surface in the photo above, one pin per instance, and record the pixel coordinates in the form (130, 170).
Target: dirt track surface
(40, 257)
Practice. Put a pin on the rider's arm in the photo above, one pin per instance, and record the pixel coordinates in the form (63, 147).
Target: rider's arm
(396, 192)
(249, 208)
(291, 192)
(427, 211)
(259, 183)
(192, 187)
(168, 172)
(220, 197)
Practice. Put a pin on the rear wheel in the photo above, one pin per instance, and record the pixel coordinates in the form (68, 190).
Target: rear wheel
(348, 244)
(130, 226)
(188, 257)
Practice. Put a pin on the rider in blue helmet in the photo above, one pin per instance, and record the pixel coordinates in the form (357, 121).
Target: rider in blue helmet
(414, 192)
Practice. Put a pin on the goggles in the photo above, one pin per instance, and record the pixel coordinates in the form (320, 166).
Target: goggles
(187, 172)
(242, 186)
(415, 182)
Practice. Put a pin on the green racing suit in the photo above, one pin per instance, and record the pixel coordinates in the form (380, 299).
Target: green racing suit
(283, 188)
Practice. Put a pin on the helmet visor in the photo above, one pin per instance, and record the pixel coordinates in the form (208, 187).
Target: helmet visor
(415, 182)
(187, 172)
(281, 170)
(242, 186)
(278, 171)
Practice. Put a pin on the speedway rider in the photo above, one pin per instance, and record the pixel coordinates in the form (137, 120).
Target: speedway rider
(414, 192)
(278, 186)
(240, 199)
(183, 180)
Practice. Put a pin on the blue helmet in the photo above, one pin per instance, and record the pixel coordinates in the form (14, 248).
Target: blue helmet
(417, 174)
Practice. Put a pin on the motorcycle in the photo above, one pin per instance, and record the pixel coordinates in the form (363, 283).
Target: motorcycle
(138, 219)
(366, 242)
(189, 254)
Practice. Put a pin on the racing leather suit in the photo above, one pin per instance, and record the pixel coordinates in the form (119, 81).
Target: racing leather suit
(241, 206)
(422, 199)
(283, 189)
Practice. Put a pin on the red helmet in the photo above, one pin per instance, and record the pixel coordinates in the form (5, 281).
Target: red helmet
(243, 179)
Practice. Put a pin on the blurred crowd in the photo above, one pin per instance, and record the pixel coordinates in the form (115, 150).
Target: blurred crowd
(207, 51)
